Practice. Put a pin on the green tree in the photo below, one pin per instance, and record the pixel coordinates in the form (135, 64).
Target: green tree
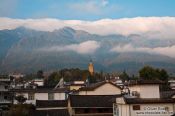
(163, 75)
(124, 76)
(53, 79)
(21, 110)
(21, 99)
(148, 73)
(40, 74)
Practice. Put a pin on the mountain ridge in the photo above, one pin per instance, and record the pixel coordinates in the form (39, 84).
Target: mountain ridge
(19, 51)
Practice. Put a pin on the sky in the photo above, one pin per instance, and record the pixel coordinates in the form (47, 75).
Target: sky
(86, 9)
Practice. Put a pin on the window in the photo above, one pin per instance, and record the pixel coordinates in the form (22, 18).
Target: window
(135, 93)
(136, 107)
(6, 87)
(50, 96)
(31, 96)
(5, 97)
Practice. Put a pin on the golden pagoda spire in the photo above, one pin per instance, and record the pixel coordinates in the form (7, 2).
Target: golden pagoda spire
(91, 68)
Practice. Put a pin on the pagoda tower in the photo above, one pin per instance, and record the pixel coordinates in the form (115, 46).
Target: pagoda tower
(91, 68)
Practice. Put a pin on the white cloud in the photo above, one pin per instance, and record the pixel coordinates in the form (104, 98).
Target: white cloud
(89, 7)
(105, 2)
(86, 7)
(87, 47)
(167, 51)
(152, 27)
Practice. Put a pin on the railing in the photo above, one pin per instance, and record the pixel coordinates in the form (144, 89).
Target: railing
(5, 101)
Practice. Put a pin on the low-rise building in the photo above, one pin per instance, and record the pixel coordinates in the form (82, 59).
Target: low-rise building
(5, 95)
(51, 108)
(41, 94)
(101, 88)
(172, 84)
(144, 99)
(92, 105)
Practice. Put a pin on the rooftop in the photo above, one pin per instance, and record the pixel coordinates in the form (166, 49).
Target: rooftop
(53, 112)
(96, 85)
(51, 103)
(93, 100)
(41, 90)
(148, 100)
(144, 82)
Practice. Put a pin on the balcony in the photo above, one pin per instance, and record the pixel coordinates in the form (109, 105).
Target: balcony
(3, 101)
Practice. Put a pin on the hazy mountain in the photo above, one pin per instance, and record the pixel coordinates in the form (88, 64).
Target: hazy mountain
(26, 50)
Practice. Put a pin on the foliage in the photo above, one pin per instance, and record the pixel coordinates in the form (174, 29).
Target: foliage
(21, 99)
(40, 74)
(73, 74)
(53, 79)
(150, 73)
(21, 110)
(124, 76)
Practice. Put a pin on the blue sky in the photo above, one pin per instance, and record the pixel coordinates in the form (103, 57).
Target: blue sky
(86, 9)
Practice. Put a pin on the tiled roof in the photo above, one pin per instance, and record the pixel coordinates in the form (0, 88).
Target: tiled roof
(144, 82)
(92, 100)
(55, 112)
(148, 100)
(96, 85)
(41, 90)
(167, 94)
(51, 103)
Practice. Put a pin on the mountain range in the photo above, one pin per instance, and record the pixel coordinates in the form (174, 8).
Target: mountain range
(25, 50)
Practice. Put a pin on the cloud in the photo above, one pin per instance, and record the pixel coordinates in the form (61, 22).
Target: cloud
(151, 27)
(87, 47)
(167, 51)
(89, 7)
(105, 2)
(86, 7)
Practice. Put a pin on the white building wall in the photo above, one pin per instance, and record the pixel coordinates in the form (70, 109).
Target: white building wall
(106, 89)
(59, 96)
(41, 96)
(146, 91)
(166, 109)
(149, 91)
(153, 110)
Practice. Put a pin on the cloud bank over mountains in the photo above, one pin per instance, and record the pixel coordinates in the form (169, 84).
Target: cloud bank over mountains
(148, 27)
(87, 47)
(151, 27)
(167, 51)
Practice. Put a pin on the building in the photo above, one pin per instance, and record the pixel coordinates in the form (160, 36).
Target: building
(144, 99)
(38, 82)
(41, 93)
(172, 84)
(51, 108)
(101, 88)
(5, 95)
(75, 85)
(92, 105)
(117, 81)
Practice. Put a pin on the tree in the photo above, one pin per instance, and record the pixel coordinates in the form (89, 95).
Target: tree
(147, 73)
(124, 76)
(40, 74)
(21, 110)
(150, 73)
(21, 99)
(53, 79)
(163, 75)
